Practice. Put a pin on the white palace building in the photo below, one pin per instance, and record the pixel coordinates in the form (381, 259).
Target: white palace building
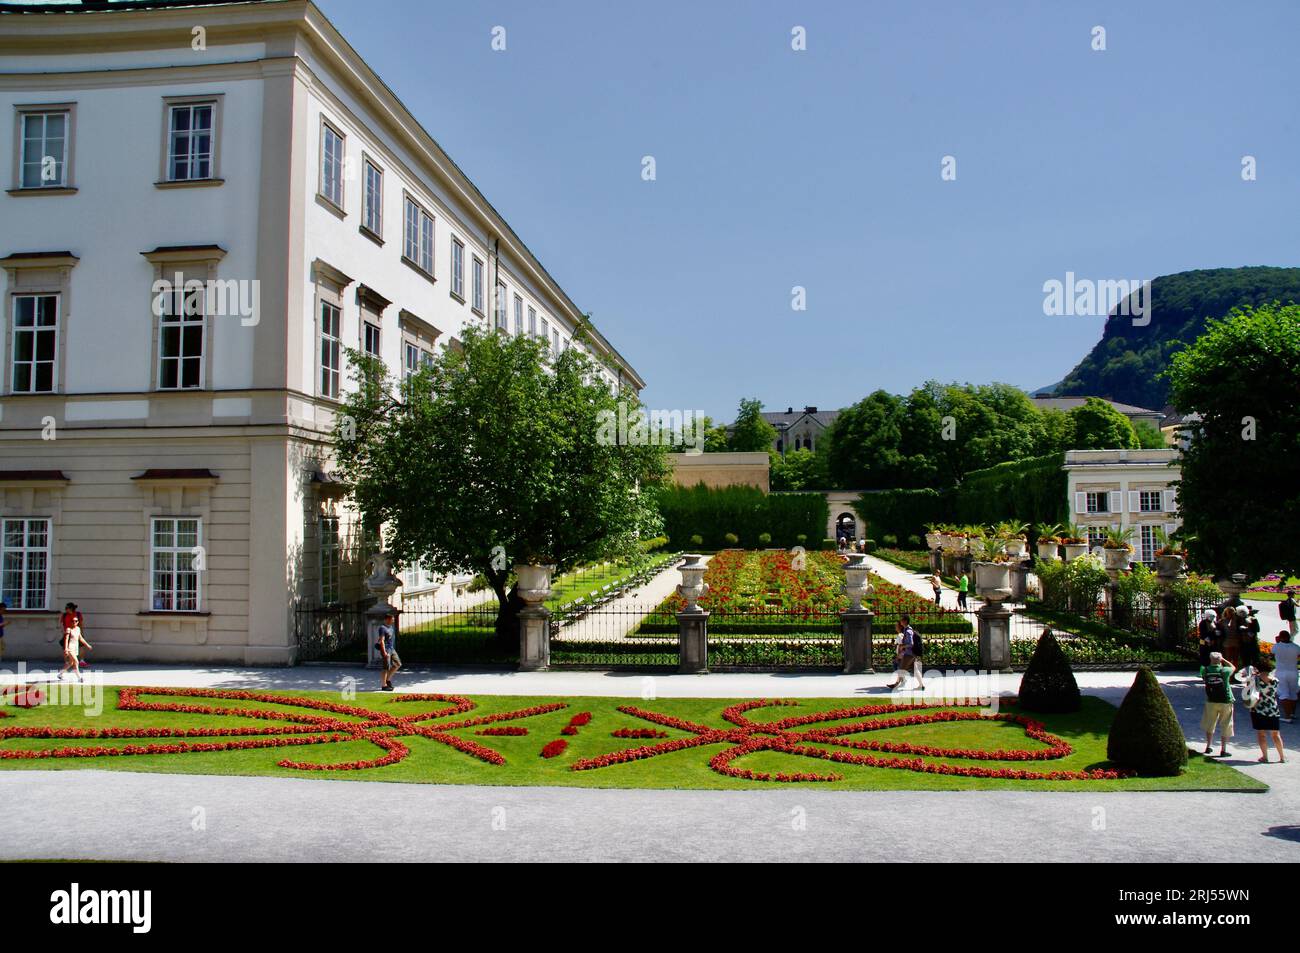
(164, 460)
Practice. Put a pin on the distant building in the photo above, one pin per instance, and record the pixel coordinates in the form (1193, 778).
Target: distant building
(1122, 488)
(716, 470)
(1066, 404)
(800, 429)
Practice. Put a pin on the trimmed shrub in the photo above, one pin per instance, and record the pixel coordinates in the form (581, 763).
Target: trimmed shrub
(870, 545)
(801, 539)
(830, 544)
(744, 511)
(697, 540)
(1048, 684)
(1145, 735)
(890, 540)
(731, 539)
(915, 542)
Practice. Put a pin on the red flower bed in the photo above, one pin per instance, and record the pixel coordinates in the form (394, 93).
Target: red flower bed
(506, 731)
(553, 748)
(638, 733)
(750, 737)
(335, 724)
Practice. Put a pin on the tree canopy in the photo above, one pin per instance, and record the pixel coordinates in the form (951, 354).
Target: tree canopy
(751, 432)
(1239, 495)
(498, 454)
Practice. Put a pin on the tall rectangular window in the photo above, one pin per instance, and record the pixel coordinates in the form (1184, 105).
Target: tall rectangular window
(555, 341)
(501, 305)
(1098, 502)
(519, 316)
(174, 554)
(330, 560)
(44, 150)
(1147, 544)
(458, 268)
(25, 563)
(180, 340)
(35, 343)
(546, 331)
(1149, 502)
(370, 338)
(331, 164)
(373, 216)
(532, 322)
(190, 141)
(330, 349)
(477, 301)
(417, 244)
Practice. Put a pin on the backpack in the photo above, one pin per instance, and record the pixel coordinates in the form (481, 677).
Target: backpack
(1217, 689)
(918, 649)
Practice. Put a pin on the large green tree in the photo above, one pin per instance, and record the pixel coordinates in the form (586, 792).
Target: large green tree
(751, 432)
(1099, 426)
(1239, 495)
(800, 470)
(499, 454)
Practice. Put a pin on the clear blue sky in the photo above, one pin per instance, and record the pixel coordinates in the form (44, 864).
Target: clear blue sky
(821, 168)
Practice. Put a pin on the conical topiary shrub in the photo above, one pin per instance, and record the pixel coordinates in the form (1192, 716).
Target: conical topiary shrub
(1048, 684)
(1145, 736)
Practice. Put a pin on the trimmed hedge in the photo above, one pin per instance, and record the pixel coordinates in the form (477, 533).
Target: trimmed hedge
(1048, 684)
(745, 511)
(1145, 735)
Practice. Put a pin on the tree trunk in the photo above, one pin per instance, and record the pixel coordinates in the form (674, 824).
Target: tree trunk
(507, 624)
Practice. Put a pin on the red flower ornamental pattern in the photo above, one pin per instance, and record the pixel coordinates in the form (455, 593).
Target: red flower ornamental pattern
(336, 723)
(554, 748)
(749, 737)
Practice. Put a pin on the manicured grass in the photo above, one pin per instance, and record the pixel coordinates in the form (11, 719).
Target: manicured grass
(1270, 594)
(430, 761)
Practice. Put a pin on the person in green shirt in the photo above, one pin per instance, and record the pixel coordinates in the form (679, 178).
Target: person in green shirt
(963, 587)
(1217, 677)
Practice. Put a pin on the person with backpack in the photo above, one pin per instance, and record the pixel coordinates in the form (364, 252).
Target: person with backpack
(904, 655)
(918, 649)
(1217, 677)
(1286, 609)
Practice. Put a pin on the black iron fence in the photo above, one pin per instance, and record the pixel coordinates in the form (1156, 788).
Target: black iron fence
(617, 632)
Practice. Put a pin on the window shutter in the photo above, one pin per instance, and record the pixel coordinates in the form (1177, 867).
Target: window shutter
(1080, 503)
(1170, 506)
(1134, 501)
(1116, 501)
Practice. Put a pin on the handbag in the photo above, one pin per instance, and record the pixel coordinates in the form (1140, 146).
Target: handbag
(1249, 690)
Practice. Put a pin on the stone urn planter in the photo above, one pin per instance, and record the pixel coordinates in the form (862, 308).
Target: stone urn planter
(856, 586)
(1048, 552)
(993, 581)
(1074, 550)
(933, 541)
(1115, 559)
(534, 582)
(692, 586)
(1169, 565)
(1016, 548)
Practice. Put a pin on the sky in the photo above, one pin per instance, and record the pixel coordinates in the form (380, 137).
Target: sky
(820, 168)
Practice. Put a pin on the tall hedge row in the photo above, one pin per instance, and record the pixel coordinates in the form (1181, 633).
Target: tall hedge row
(745, 511)
(1031, 491)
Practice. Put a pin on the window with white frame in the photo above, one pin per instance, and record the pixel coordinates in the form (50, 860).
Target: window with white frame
(190, 141)
(370, 338)
(174, 560)
(519, 316)
(180, 338)
(1098, 502)
(458, 268)
(546, 331)
(417, 241)
(1096, 536)
(501, 305)
(418, 577)
(532, 322)
(25, 563)
(373, 213)
(330, 560)
(43, 162)
(331, 351)
(1149, 502)
(555, 341)
(35, 344)
(1147, 544)
(477, 281)
(331, 164)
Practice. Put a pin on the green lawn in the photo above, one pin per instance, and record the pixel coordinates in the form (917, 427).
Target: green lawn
(431, 761)
(1266, 595)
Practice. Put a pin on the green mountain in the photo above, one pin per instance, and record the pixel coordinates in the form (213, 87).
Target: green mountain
(1125, 364)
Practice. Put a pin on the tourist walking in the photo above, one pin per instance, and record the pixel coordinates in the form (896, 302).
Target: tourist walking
(1264, 713)
(1286, 609)
(904, 657)
(389, 660)
(937, 586)
(70, 621)
(1284, 657)
(963, 587)
(1217, 678)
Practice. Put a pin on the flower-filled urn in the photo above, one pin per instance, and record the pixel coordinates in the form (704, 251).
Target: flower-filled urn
(534, 582)
(856, 585)
(692, 586)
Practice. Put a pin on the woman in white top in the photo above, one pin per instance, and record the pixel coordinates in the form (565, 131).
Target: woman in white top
(1284, 656)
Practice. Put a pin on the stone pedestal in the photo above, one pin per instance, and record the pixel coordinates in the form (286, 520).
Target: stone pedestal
(994, 637)
(693, 642)
(936, 560)
(381, 583)
(1019, 581)
(534, 639)
(1172, 621)
(855, 633)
